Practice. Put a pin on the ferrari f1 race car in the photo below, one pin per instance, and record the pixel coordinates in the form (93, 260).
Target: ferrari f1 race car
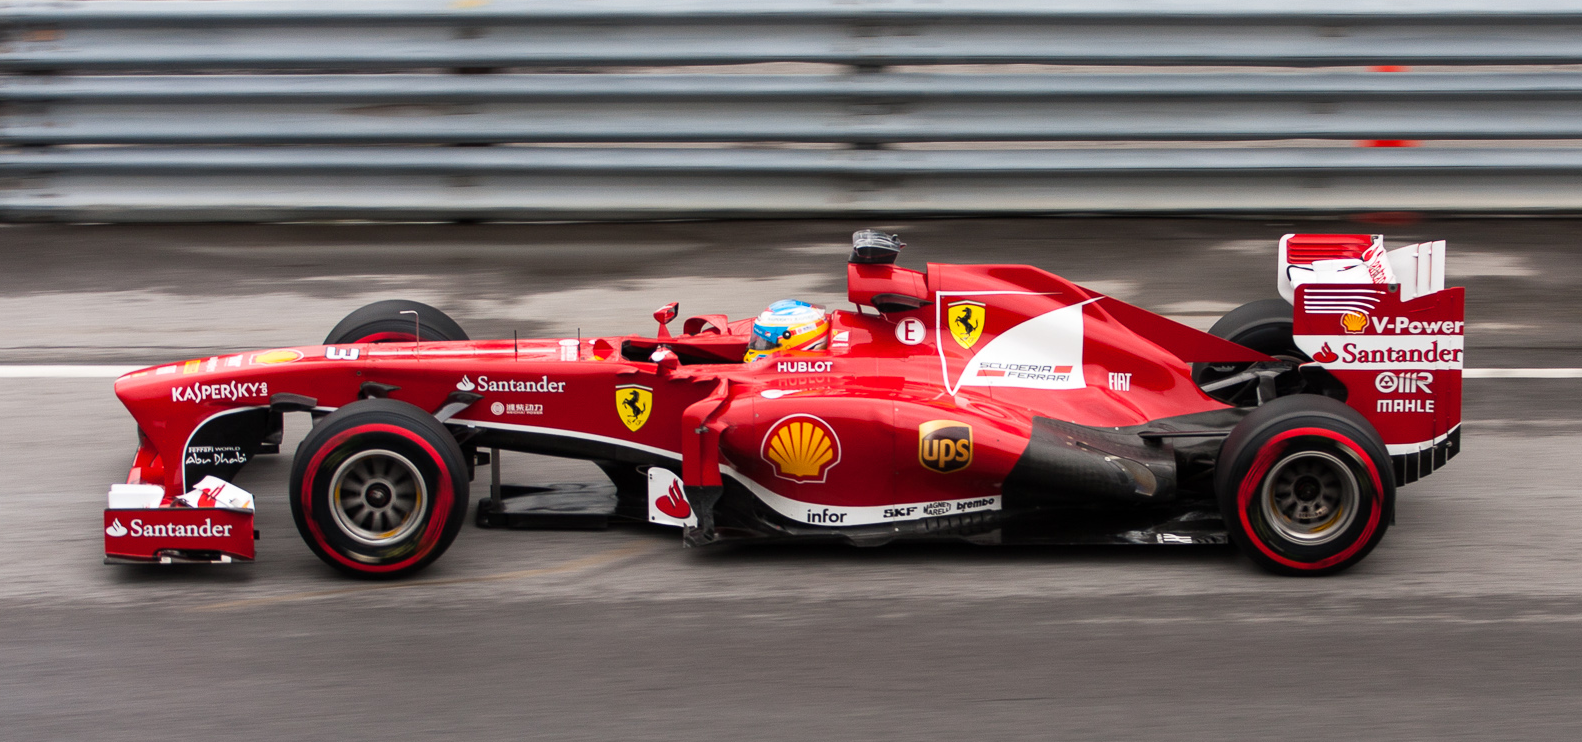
(991, 403)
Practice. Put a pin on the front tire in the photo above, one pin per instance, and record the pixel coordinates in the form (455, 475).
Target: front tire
(383, 322)
(379, 489)
(1305, 486)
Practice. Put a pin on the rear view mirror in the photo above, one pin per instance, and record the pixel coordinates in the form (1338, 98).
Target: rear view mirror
(872, 247)
(664, 315)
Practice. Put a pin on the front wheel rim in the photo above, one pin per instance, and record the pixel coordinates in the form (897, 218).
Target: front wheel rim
(377, 497)
(1310, 497)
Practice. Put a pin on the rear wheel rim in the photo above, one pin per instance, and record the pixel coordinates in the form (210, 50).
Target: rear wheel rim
(1310, 497)
(377, 496)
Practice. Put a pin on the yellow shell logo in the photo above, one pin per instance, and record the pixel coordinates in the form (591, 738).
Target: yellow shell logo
(1354, 322)
(802, 448)
(966, 322)
(277, 356)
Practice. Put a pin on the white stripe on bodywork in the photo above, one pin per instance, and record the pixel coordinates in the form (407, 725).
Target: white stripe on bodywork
(939, 338)
(1037, 346)
(568, 434)
(797, 510)
(1397, 449)
(831, 515)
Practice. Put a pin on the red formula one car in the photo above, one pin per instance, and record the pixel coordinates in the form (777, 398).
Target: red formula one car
(991, 403)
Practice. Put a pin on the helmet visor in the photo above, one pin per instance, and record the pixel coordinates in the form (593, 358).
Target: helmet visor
(760, 342)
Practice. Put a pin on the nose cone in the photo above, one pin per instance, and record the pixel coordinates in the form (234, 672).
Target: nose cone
(216, 380)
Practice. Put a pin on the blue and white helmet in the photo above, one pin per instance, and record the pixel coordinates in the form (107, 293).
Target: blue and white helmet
(789, 326)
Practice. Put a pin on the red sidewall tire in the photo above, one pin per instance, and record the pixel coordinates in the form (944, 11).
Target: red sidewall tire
(382, 337)
(381, 425)
(1301, 424)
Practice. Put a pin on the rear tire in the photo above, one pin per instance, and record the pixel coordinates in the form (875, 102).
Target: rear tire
(379, 489)
(1305, 486)
(383, 322)
(1264, 326)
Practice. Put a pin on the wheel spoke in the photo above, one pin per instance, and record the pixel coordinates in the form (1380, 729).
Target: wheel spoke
(1310, 496)
(374, 495)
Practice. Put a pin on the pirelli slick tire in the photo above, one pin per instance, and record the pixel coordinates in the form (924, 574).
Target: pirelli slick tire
(1264, 326)
(1305, 486)
(383, 322)
(379, 489)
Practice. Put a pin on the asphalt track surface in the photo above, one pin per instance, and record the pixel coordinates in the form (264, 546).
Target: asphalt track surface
(1466, 623)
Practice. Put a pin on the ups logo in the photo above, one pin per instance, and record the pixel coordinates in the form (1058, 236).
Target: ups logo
(944, 445)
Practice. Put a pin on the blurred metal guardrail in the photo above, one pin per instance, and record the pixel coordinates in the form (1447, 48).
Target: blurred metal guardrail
(127, 110)
(511, 183)
(869, 108)
(392, 34)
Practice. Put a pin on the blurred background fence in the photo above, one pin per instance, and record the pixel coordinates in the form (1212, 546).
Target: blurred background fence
(268, 110)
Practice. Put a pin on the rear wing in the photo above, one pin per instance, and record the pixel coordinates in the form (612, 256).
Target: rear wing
(1384, 325)
(1359, 258)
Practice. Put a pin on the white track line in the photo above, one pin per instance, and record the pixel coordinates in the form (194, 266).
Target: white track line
(1522, 373)
(30, 371)
(41, 371)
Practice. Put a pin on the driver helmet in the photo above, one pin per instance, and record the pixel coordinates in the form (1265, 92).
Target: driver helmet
(789, 327)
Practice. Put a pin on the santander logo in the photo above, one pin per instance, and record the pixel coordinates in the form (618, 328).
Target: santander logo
(674, 502)
(466, 384)
(1325, 355)
(116, 529)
